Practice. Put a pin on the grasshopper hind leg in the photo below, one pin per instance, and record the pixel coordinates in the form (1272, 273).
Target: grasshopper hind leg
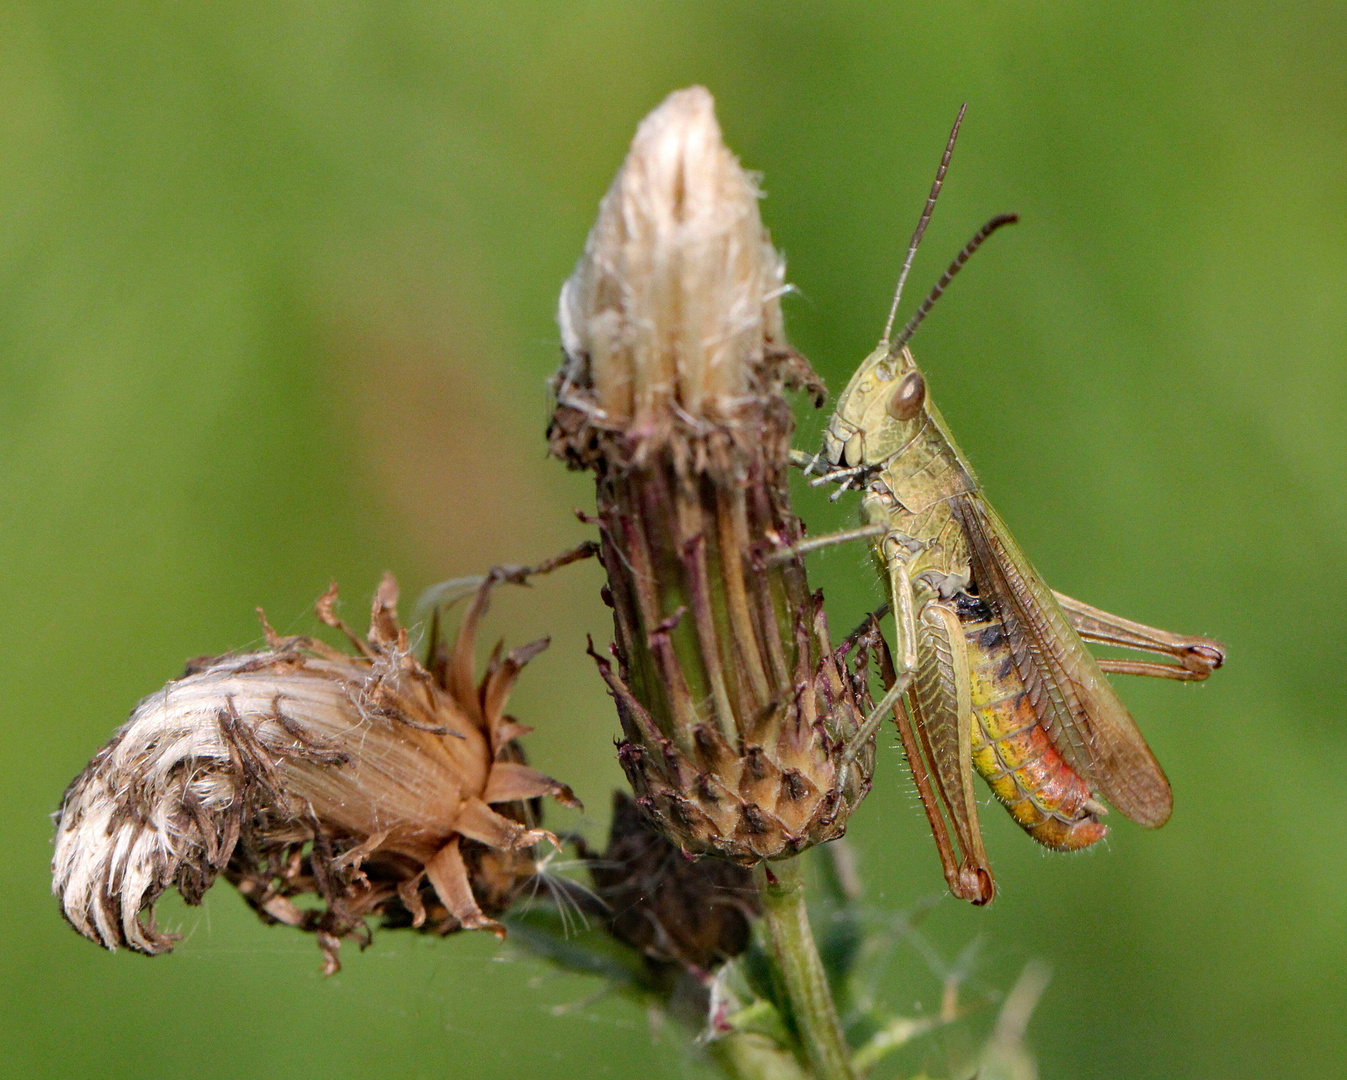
(934, 723)
(1197, 657)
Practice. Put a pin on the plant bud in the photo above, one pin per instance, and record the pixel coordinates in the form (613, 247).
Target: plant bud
(734, 709)
(693, 914)
(380, 785)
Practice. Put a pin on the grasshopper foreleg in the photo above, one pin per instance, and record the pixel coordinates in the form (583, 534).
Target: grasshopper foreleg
(1197, 656)
(905, 662)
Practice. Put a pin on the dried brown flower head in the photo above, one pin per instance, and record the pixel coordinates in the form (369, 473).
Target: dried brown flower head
(734, 709)
(692, 913)
(378, 784)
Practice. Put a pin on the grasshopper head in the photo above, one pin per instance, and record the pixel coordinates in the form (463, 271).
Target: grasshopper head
(879, 412)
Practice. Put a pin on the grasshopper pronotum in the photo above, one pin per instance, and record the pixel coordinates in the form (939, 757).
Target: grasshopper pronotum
(990, 670)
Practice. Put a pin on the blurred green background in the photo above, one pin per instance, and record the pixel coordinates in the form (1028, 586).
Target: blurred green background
(276, 295)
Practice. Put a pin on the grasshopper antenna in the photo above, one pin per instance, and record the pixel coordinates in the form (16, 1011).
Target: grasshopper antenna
(925, 220)
(948, 276)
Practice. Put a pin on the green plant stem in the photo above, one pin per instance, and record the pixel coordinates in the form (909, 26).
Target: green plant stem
(800, 970)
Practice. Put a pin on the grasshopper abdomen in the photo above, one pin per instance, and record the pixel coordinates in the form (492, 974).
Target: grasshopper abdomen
(1011, 748)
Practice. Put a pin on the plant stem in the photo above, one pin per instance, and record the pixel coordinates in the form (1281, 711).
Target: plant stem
(798, 966)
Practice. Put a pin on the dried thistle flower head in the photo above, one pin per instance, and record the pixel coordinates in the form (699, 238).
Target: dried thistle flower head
(380, 785)
(734, 709)
(691, 913)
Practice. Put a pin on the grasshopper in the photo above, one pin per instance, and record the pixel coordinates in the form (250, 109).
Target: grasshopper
(990, 670)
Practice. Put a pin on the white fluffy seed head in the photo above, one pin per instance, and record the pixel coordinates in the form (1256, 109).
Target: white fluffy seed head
(678, 291)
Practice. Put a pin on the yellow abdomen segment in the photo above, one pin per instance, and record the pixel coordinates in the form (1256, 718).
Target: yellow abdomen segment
(1012, 751)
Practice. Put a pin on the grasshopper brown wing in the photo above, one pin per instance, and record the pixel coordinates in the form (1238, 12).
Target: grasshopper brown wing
(1083, 715)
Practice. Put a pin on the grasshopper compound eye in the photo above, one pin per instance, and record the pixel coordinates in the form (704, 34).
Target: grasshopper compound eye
(908, 397)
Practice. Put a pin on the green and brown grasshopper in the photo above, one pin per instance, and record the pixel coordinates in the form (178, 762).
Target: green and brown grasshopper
(990, 670)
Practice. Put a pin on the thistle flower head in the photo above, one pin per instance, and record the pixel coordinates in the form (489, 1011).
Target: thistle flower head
(382, 785)
(735, 710)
